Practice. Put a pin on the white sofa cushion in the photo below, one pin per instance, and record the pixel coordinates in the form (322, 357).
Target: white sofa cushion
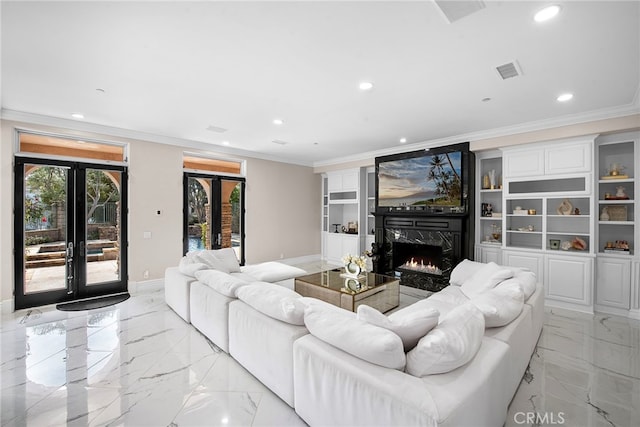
(410, 327)
(221, 282)
(363, 340)
(220, 259)
(449, 345)
(188, 266)
(274, 301)
(465, 269)
(500, 305)
(525, 278)
(272, 271)
(485, 278)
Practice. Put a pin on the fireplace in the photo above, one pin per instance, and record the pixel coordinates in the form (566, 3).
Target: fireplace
(417, 257)
(420, 250)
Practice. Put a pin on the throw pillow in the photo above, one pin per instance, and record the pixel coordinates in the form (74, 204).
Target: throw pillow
(273, 271)
(484, 279)
(220, 259)
(527, 279)
(410, 327)
(463, 271)
(220, 282)
(274, 301)
(189, 267)
(500, 305)
(360, 339)
(451, 344)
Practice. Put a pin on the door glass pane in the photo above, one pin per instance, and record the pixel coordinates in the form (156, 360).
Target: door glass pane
(103, 220)
(199, 226)
(45, 228)
(231, 214)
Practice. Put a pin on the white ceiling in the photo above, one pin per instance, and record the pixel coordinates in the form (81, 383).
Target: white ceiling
(175, 68)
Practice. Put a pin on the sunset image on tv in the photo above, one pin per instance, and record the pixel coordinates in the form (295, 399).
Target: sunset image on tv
(428, 180)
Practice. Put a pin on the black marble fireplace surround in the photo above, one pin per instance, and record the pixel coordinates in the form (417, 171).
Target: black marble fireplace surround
(443, 241)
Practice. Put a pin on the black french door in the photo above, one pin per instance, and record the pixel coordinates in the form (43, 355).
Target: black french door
(70, 231)
(213, 213)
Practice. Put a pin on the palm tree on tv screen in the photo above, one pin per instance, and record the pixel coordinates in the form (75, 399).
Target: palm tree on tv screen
(444, 176)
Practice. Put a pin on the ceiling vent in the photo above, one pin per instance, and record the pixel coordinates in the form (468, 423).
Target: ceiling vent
(217, 129)
(511, 69)
(279, 142)
(456, 10)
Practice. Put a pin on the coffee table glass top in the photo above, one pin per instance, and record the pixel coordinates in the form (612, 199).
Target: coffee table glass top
(337, 281)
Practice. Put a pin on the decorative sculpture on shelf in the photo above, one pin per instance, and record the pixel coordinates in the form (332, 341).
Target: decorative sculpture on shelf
(565, 208)
(492, 179)
(604, 216)
(620, 194)
(616, 169)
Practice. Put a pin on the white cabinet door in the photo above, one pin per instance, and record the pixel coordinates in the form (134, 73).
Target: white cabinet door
(334, 181)
(347, 180)
(350, 245)
(350, 180)
(569, 158)
(524, 163)
(334, 247)
(569, 279)
(613, 282)
(531, 261)
(488, 254)
(339, 244)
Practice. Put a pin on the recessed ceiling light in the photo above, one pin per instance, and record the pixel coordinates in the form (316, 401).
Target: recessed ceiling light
(78, 116)
(565, 97)
(403, 140)
(278, 121)
(226, 143)
(486, 99)
(366, 86)
(546, 13)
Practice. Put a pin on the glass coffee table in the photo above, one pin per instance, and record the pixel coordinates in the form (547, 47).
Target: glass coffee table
(375, 290)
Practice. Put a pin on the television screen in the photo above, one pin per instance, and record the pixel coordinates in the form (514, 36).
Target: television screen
(429, 180)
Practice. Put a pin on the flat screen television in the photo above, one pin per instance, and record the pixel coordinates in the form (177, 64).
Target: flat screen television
(427, 180)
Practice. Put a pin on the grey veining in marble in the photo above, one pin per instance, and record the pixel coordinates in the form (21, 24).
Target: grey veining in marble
(138, 363)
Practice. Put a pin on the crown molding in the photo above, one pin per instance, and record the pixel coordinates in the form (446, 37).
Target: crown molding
(567, 120)
(112, 131)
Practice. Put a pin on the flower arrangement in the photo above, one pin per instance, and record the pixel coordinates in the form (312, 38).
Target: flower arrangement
(360, 261)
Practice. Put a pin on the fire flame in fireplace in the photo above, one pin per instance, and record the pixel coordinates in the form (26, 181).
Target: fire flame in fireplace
(420, 266)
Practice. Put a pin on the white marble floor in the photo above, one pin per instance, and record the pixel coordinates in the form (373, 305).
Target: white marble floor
(138, 363)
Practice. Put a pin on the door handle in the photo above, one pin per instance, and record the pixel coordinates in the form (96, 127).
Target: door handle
(69, 268)
(81, 249)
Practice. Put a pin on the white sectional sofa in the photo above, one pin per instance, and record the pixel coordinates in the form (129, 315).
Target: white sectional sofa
(341, 368)
(205, 303)
(477, 393)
